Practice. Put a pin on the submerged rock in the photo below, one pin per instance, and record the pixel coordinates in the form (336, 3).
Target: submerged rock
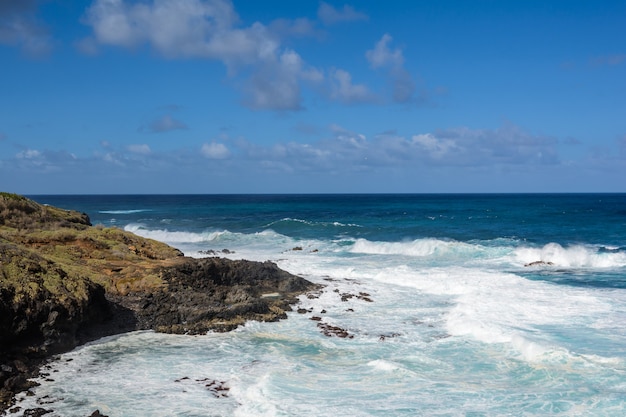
(539, 263)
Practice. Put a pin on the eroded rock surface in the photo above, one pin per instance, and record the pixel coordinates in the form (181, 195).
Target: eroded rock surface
(64, 282)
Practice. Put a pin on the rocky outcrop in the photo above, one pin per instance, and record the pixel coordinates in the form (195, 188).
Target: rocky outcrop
(219, 294)
(43, 311)
(64, 282)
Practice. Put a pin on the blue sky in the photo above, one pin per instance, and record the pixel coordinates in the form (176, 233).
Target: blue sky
(278, 96)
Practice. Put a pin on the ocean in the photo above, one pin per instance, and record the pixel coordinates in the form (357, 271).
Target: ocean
(455, 305)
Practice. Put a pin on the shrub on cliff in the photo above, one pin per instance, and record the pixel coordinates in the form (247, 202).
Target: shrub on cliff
(22, 213)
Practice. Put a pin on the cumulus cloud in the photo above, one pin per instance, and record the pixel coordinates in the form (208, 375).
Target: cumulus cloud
(347, 151)
(509, 145)
(338, 154)
(29, 154)
(436, 147)
(215, 150)
(343, 90)
(402, 84)
(185, 28)
(381, 55)
(330, 15)
(350, 138)
(20, 27)
(164, 123)
(43, 161)
(276, 84)
(209, 29)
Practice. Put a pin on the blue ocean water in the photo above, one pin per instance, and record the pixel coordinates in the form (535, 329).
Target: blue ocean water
(474, 305)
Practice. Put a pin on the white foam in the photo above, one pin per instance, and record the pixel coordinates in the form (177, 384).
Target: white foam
(383, 365)
(164, 235)
(419, 247)
(254, 400)
(311, 223)
(575, 256)
(123, 211)
(496, 307)
(530, 350)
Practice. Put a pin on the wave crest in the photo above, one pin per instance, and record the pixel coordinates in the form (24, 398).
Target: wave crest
(123, 211)
(164, 235)
(575, 256)
(311, 223)
(424, 248)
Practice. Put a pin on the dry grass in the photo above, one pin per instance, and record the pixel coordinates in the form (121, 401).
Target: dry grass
(57, 249)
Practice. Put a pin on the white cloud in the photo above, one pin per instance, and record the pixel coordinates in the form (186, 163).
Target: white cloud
(209, 29)
(330, 15)
(181, 29)
(348, 137)
(402, 84)
(507, 145)
(437, 148)
(36, 161)
(344, 91)
(174, 28)
(215, 150)
(113, 158)
(382, 55)
(141, 149)
(276, 84)
(340, 155)
(29, 154)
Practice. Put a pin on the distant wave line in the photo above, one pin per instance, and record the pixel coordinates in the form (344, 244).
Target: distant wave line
(123, 211)
(312, 223)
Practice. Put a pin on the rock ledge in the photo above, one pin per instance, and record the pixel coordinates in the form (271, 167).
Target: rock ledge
(64, 282)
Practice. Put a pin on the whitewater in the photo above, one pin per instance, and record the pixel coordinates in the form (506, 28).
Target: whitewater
(455, 305)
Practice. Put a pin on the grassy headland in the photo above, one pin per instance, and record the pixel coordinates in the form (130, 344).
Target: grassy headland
(64, 282)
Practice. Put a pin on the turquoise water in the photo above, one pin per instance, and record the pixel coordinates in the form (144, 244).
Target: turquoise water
(457, 323)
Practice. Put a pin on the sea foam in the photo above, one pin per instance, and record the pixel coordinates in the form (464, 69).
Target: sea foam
(574, 256)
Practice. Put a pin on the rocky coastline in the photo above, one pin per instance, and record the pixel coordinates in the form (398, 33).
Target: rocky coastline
(64, 282)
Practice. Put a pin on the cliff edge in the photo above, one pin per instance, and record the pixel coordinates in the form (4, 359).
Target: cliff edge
(64, 282)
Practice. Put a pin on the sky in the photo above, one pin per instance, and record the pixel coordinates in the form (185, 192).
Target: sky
(282, 96)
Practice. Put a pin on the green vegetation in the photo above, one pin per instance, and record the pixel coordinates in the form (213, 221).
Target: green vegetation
(12, 196)
(57, 250)
(24, 214)
(55, 270)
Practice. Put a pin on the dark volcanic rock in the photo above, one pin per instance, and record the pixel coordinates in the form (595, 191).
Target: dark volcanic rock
(41, 314)
(36, 412)
(330, 330)
(219, 294)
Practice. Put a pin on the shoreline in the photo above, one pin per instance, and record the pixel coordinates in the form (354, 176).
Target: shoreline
(64, 283)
